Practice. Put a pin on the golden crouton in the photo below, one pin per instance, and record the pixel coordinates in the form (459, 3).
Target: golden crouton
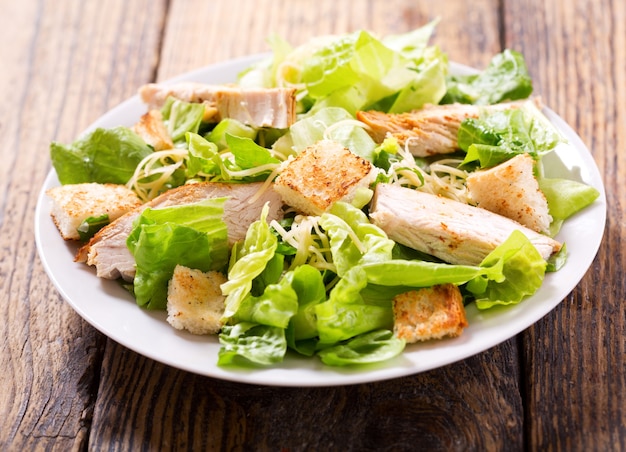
(72, 204)
(321, 175)
(429, 313)
(152, 130)
(194, 300)
(511, 190)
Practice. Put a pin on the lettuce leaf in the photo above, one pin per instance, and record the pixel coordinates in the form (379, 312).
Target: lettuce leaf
(229, 126)
(353, 239)
(181, 117)
(193, 235)
(524, 270)
(347, 314)
(248, 343)
(311, 129)
(506, 78)
(372, 347)
(499, 135)
(103, 156)
(566, 197)
(256, 251)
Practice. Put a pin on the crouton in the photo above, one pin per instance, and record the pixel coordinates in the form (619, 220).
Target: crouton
(194, 300)
(152, 130)
(72, 204)
(511, 190)
(321, 175)
(429, 313)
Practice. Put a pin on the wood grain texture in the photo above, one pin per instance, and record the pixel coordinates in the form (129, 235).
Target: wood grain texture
(64, 64)
(576, 53)
(474, 404)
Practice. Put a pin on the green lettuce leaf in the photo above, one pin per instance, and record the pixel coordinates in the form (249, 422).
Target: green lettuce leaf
(353, 239)
(275, 307)
(103, 156)
(347, 314)
(499, 135)
(248, 343)
(256, 251)
(193, 235)
(311, 129)
(524, 270)
(309, 286)
(566, 197)
(229, 126)
(181, 117)
(372, 347)
(506, 78)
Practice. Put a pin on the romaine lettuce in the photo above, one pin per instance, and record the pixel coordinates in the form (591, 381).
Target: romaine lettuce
(499, 135)
(193, 235)
(524, 270)
(506, 78)
(103, 156)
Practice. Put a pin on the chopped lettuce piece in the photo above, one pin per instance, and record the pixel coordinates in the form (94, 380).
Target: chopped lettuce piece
(91, 225)
(256, 251)
(566, 197)
(333, 123)
(229, 126)
(193, 235)
(249, 343)
(353, 239)
(181, 117)
(372, 347)
(506, 78)
(103, 156)
(497, 136)
(524, 270)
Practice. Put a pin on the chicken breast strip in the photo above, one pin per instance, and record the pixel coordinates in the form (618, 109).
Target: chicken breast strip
(430, 131)
(257, 107)
(454, 232)
(107, 250)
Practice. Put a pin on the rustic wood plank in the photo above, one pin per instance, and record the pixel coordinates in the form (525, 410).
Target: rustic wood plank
(475, 403)
(63, 64)
(470, 405)
(575, 51)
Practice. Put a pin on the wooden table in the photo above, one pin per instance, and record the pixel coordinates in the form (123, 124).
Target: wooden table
(559, 385)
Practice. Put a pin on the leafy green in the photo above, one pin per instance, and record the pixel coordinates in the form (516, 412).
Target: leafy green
(353, 239)
(524, 270)
(506, 78)
(181, 117)
(249, 343)
(499, 135)
(232, 127)
(357, 71)
(103, 156)
(256, 251)
(566, 197)
(314, 127)
(193, 235)
(375, 346)
(91, 225)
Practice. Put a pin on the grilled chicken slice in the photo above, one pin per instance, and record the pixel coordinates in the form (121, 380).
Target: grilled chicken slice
(257, 107)
(430, 131)
(454, 232)
(107, 250)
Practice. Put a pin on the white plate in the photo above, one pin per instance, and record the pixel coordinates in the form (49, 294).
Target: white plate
(110, 309)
